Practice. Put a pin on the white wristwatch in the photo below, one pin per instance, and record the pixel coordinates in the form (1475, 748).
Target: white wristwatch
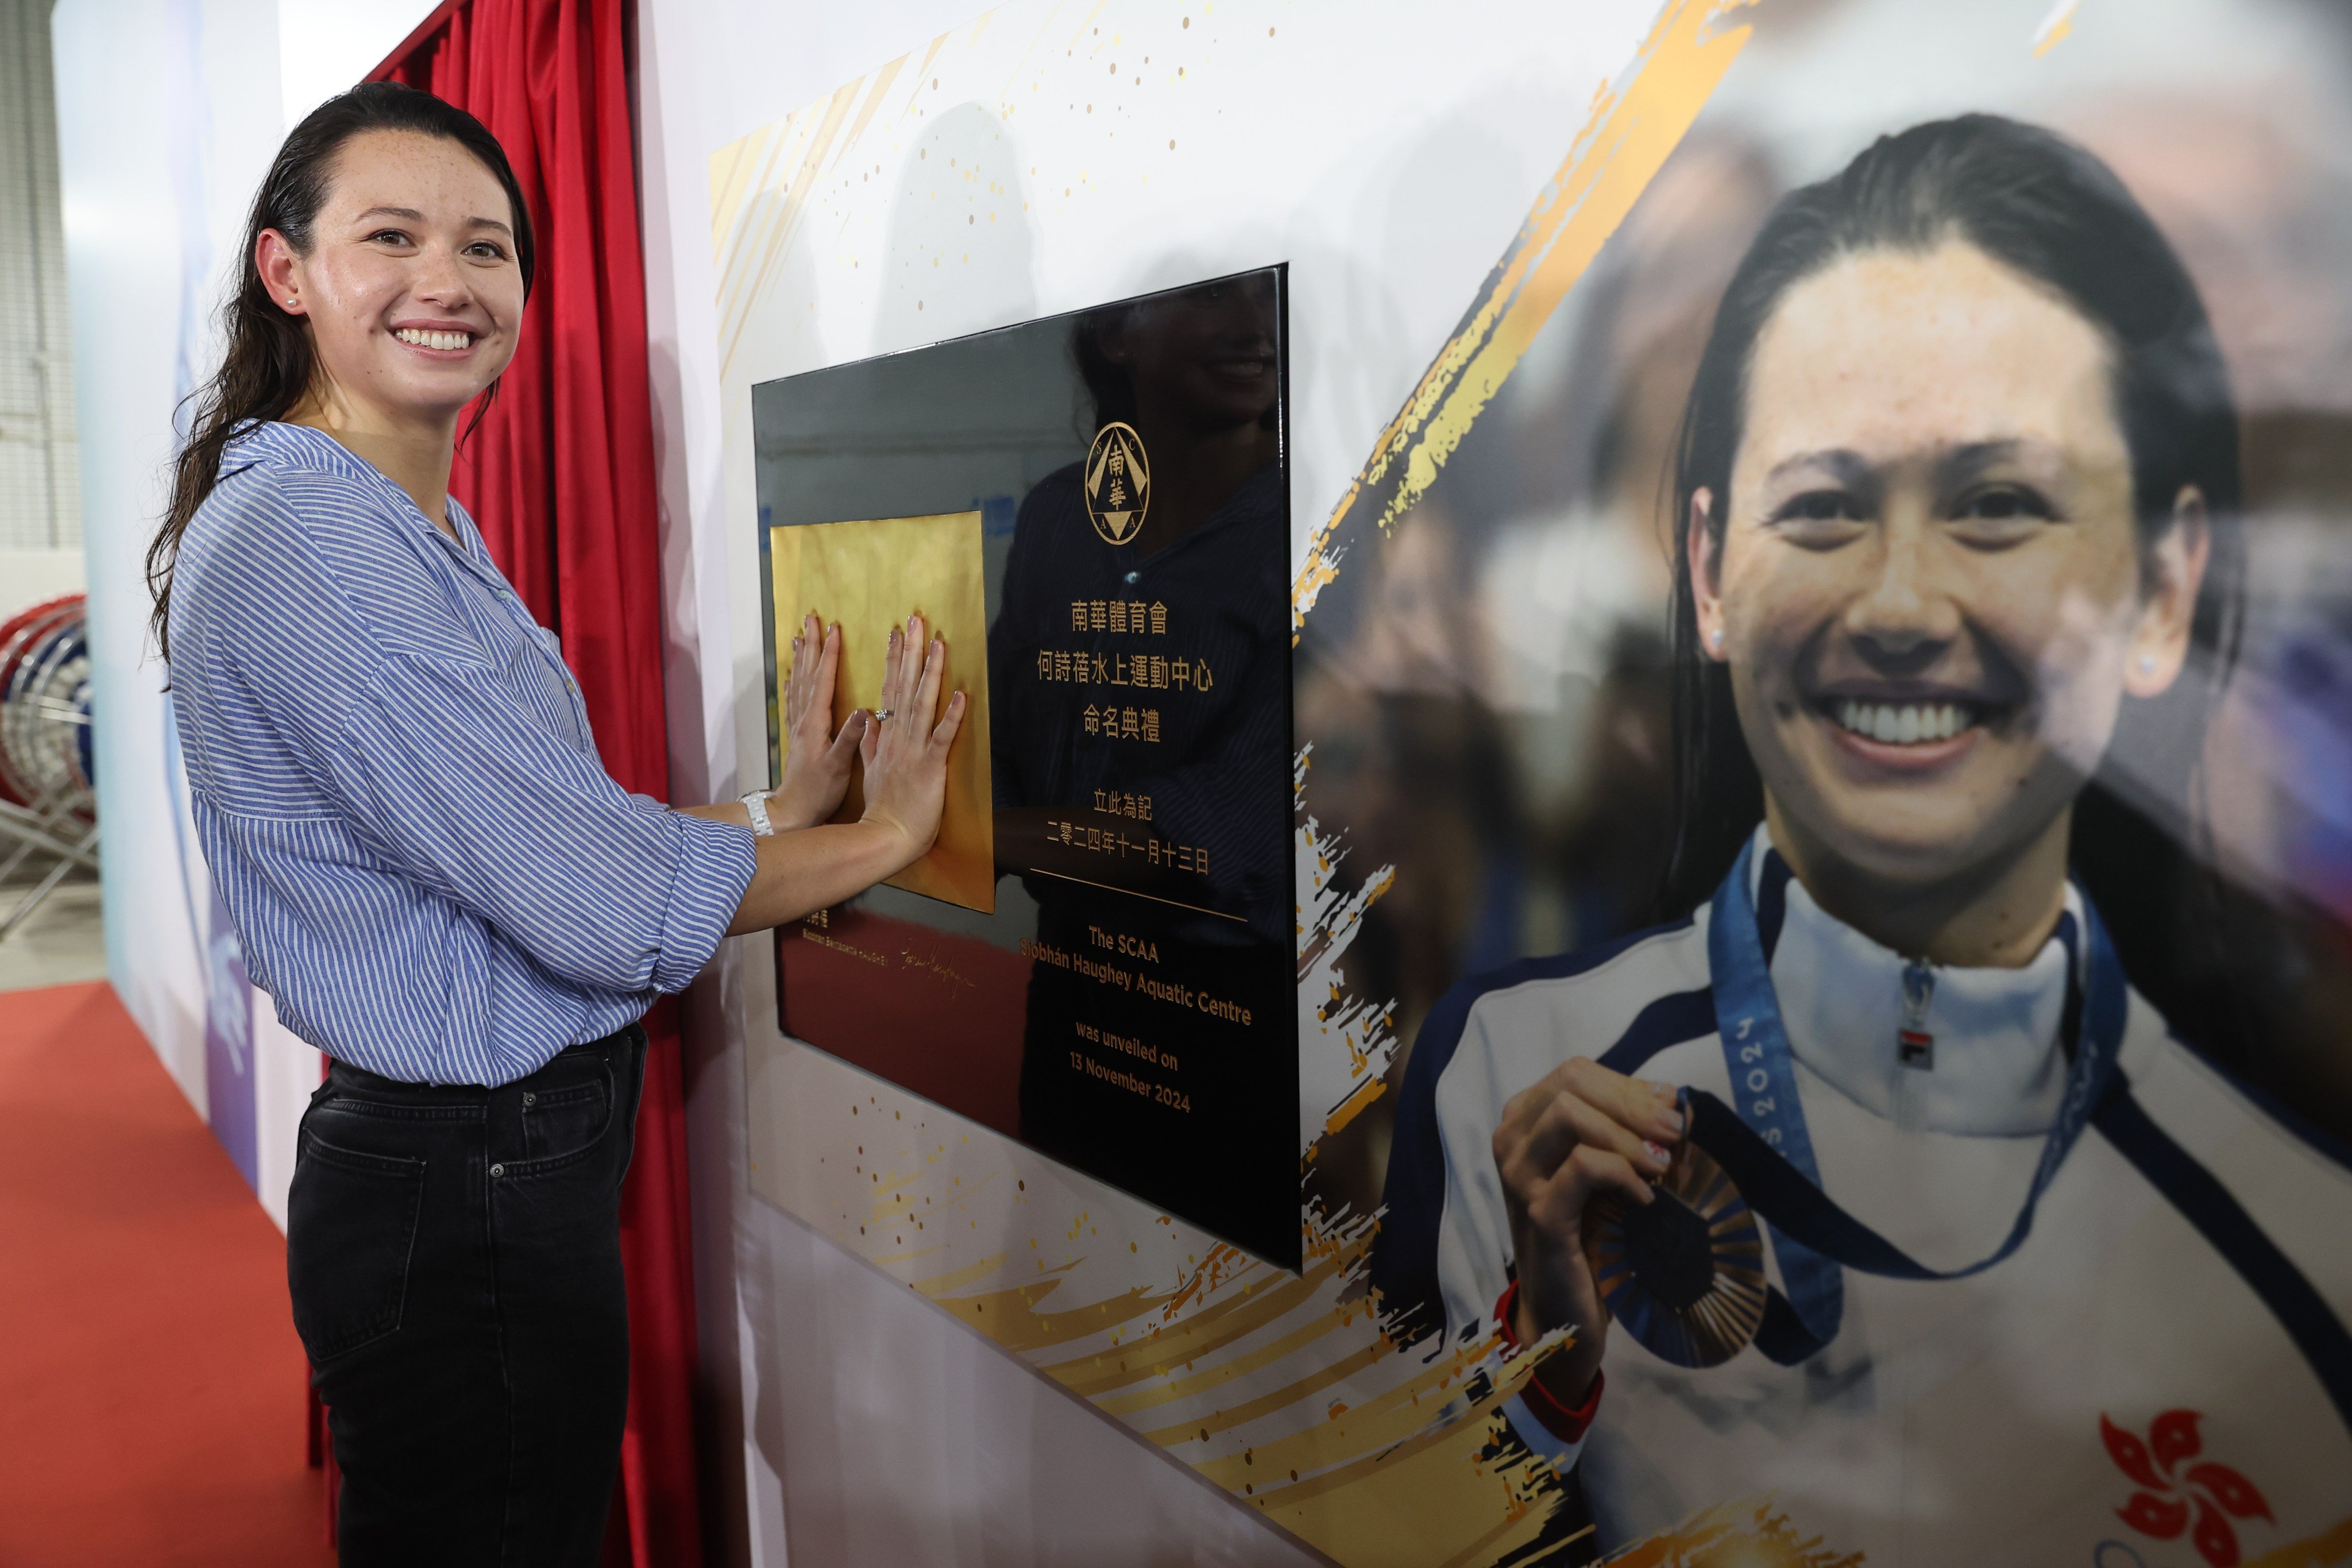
(756, 803)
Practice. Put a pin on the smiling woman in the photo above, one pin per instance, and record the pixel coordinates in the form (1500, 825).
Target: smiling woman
(432, 874)
(1957, 489)
(331, 259)
(1926, 583)
(1961, 443)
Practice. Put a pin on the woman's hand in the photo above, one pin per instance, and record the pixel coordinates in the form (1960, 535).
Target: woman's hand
(816, 762)
(906, 758)
(905, 755)
(1579, 1133)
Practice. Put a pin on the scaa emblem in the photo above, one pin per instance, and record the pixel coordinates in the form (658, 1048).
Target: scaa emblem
(1118, 483)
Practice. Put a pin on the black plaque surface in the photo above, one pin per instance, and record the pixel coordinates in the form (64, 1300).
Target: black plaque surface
(1127, 1006)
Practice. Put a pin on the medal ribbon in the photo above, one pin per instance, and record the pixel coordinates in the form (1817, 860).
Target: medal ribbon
(1762, 1144)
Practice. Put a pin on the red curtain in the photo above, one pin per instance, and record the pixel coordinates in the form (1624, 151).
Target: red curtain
(559, 475)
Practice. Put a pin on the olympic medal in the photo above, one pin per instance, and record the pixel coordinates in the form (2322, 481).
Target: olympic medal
(1684, 1273)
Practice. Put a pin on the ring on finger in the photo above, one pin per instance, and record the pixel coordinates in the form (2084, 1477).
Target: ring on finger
(880, 714)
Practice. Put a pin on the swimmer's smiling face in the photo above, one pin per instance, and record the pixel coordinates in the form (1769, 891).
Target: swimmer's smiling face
(1928, 584)
(411, 286)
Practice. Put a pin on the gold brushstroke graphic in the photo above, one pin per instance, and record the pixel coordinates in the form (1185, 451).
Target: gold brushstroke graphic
(1227, 1419)
(1632, 126)
(1747, 1534)
(1385, 1482)
(2328, 1549)
(1345, 1044)
(1010, 1317)
(1416, 1462)
(761, 185)
(2054, 27)
(1184, 1341)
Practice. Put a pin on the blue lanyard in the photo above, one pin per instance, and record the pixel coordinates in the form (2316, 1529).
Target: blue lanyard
(1762, 1144)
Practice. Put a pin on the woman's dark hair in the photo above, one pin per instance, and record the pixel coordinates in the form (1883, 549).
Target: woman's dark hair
(270, 361)
(1110, 387)
(2053, 213)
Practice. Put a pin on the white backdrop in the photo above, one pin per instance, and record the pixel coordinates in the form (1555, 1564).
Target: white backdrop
(169, 113)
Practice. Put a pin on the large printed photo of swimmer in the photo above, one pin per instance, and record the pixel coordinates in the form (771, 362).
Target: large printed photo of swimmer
(1958, 573)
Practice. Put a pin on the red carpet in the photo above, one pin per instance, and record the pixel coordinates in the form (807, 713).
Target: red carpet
(152, 1398)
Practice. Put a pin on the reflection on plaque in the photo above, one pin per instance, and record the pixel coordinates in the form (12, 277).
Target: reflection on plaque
(870, 576)
(1102, 959)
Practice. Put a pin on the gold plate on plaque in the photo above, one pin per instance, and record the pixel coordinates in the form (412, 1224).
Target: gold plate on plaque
(870, 576)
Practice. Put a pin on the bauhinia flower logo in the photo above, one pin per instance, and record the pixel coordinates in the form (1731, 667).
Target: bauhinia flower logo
(2171, 1496)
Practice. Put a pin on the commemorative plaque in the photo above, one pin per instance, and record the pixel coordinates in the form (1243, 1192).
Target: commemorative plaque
(1097, 957)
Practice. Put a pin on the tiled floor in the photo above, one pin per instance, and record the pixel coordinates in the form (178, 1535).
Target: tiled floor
(63, 942)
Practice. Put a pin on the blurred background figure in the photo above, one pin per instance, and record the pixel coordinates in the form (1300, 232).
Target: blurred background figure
(1487, 691)
(1574, 587)
(2261, 215)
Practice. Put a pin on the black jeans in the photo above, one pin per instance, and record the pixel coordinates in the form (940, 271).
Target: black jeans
(455, 1259)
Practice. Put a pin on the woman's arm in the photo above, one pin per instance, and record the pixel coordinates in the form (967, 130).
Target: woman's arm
(1581, 1133)
(800, 873)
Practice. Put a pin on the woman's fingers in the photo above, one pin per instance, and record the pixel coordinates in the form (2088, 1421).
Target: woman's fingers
(826, 679)
(1583, 1129)
(1557, 1207)
(943, 734)
(1525, 1108)
(851, 737)
(813, 671)
(796, 683)
(1650, 1109)
(915, 662)
(926, 705)
(1572, 1123)
(1646, 1108)
(893, 657)
(914, 669)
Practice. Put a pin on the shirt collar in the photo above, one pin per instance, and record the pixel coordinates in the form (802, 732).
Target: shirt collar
(1997, 1070)
(276, 444)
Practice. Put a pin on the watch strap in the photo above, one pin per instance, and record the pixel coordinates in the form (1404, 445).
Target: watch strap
(756, 803)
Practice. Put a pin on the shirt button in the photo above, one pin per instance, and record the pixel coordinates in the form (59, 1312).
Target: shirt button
(498, 1169)
(530, 1100)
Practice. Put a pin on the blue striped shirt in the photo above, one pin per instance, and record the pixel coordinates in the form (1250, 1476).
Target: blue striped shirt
(396, 789)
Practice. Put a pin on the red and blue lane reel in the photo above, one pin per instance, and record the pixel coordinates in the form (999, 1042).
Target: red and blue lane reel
(47, 757)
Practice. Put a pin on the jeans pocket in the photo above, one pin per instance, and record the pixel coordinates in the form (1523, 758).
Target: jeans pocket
(350, 1229)
(566, 1120)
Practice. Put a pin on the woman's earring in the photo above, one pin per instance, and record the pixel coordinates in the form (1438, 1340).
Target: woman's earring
(2147, 664)
(1716, 638)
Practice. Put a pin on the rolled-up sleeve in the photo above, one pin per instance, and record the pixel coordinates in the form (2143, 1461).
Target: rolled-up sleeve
(444, 775)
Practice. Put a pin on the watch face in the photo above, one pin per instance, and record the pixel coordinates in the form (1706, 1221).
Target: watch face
(1684, 1273)
(1091, 511)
